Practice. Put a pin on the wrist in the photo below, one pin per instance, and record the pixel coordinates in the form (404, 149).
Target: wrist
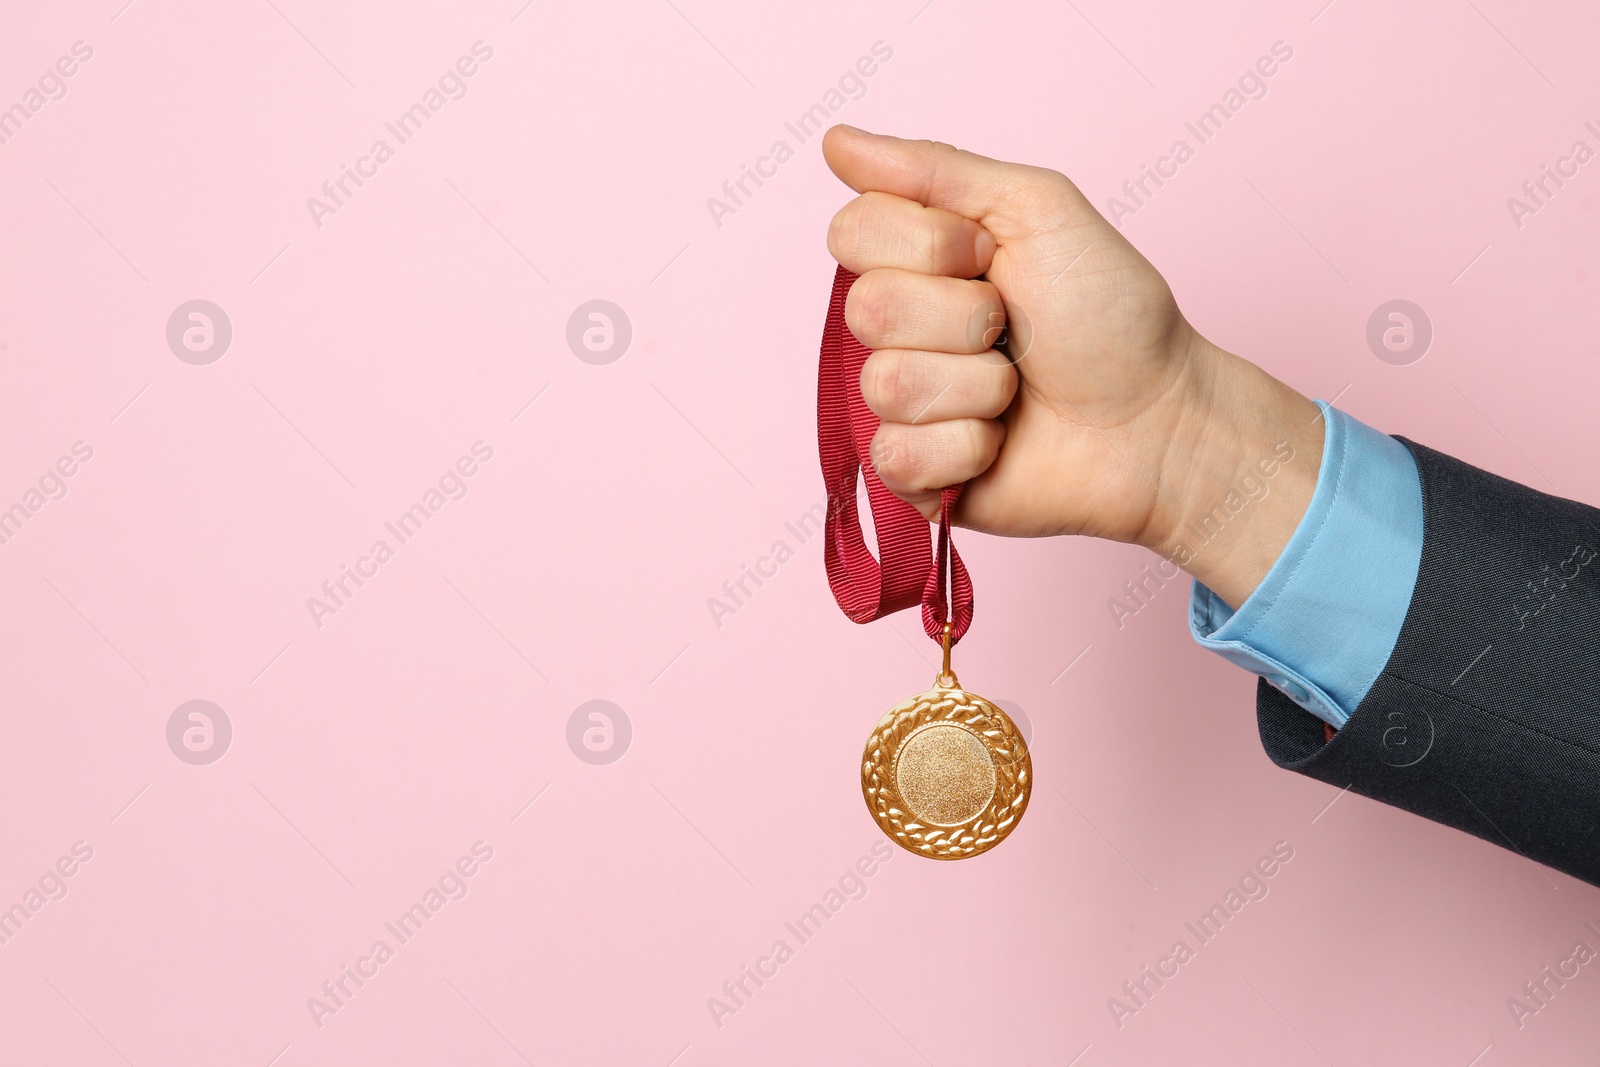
(1238, 474)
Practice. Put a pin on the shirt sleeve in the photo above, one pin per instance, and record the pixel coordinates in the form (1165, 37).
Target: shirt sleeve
(1323, 622)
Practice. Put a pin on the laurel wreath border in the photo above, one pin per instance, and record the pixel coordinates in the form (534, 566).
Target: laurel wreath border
(1013, 774)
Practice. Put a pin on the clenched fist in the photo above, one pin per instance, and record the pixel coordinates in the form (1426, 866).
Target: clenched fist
(1107, 414)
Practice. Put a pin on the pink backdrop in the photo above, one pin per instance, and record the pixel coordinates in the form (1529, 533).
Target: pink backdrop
(417, 727)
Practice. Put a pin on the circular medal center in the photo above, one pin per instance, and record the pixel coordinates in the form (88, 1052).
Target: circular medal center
(945, 775)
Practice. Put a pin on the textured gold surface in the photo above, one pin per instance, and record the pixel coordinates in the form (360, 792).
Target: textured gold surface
(946, 774)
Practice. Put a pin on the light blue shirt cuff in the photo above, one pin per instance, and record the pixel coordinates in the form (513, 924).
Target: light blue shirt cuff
(1323, 622)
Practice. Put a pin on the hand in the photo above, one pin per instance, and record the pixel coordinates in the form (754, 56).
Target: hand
(1116, 420)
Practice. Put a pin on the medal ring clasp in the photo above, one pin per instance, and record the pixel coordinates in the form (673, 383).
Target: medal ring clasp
(946, 678)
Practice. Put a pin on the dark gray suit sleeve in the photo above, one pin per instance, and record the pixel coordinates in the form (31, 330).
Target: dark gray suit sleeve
(1487, 716)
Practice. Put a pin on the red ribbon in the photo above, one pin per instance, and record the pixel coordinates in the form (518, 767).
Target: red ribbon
(906, 569)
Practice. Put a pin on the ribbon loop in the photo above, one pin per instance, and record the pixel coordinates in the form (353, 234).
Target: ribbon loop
(906, 570)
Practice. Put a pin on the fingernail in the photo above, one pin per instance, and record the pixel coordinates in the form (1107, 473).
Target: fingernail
(990, 324)
(985, 247)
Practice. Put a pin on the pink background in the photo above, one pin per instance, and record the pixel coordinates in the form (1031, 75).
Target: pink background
(372, 351)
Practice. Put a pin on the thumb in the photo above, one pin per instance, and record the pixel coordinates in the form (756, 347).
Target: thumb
(1010, 200)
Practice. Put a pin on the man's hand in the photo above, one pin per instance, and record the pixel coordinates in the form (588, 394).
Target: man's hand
(1116, 419)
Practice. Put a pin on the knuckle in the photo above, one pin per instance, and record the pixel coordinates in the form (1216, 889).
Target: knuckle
(890, 457)
(980, 440)
(886, 383)
(1048, 194)
(938, 249)
(987, 316)
(869, 309)
(838, 235)
(1005, 387)
(968, 445)
(846, 240)
(992, 435)
(901, 456)
(987, 300)
(949, 244)
(1055, 183)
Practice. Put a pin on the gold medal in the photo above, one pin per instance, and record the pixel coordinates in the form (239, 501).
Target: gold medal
(946, 773)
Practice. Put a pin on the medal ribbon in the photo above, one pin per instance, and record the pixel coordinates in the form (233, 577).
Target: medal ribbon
(907, 569)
